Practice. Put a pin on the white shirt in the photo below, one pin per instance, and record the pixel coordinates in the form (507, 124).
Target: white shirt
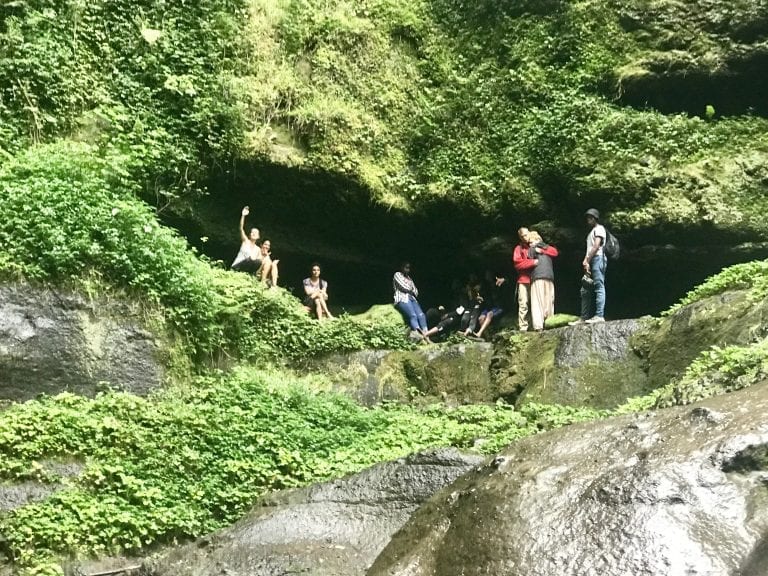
(248, 251)
(597, 231)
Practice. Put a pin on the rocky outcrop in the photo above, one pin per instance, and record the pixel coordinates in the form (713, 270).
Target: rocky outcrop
(17, 494)
(587, 365)
(670, 344)
(584, 365)
(674, 492)
(332, 529)
(51, 341)
(456, 372)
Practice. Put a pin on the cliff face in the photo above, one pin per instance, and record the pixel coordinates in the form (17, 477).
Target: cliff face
(362, 133)
(53, 341)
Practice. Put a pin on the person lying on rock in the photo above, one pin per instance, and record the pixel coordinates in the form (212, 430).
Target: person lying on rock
(316, 294)
(449, 321)
(248, 259)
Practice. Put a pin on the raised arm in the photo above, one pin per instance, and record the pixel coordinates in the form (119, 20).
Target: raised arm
(243, 214)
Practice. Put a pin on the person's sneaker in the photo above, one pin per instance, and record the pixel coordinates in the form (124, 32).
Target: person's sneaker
(576, 322)
(595, 320)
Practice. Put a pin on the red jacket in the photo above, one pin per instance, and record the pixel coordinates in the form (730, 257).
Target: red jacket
(523, 265)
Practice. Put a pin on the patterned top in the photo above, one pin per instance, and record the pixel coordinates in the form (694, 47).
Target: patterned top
(315, 286)
(405, 289)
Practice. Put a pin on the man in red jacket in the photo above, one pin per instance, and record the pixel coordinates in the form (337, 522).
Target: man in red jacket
(523, 265)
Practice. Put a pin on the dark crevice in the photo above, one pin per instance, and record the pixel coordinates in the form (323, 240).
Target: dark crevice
(740, 87)
(753, 458)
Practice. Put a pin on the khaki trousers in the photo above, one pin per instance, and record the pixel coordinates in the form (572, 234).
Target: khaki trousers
(523, 300)
(542, 302)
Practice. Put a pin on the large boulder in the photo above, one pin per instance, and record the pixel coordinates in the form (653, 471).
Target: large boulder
(677, 492)
(585, 365)
(52, 340)
(332, 529)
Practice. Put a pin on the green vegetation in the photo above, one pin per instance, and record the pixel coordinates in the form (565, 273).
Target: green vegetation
(110, 106)
(717, 371)
(67, 212)
(751, 276)
(191, 460)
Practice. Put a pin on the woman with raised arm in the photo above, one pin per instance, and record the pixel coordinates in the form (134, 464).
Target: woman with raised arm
(248, 259)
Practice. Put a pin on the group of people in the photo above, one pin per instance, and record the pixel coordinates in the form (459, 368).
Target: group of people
(532, 259)
(477, 303)
(255, 257)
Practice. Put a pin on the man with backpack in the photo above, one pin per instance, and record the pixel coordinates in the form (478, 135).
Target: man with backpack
(595, 263)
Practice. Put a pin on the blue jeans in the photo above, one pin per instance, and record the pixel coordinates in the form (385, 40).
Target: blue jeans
(593, 299)
(413, 314)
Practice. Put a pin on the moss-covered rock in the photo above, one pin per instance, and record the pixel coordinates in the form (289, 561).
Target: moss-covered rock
(670, 344)
(453, 373)
(577, 366)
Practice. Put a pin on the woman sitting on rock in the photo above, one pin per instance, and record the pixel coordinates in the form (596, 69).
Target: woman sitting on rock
(268, 272)
(316, 294)
(406, 302)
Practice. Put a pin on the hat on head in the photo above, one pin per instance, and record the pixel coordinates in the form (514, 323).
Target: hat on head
(592, 212)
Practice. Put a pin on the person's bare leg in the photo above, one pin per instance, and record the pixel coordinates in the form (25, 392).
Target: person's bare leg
(484, 323)
(318, 309)
(273, 273)
(324, 305)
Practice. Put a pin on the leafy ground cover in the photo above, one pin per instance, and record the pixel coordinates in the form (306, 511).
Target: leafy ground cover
(193, 459)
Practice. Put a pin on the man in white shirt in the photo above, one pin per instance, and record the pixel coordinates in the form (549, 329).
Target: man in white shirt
(594, 264)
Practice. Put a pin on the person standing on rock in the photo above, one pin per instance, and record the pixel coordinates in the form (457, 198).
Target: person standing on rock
(523, 265)
(248, 259)
(595, 264)
(542, 280)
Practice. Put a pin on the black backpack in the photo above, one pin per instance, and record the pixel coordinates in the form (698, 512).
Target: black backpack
(611, 249)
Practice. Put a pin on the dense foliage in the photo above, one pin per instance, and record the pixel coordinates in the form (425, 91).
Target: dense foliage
(191, 460)
(68, 212)
(751, 276)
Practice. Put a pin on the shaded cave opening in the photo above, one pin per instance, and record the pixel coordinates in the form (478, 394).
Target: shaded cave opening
(325, 218)
(740, 87)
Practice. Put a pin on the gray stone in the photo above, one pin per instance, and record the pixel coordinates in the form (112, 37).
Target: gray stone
(585, 365)
(52, 341)
(17, 494)
(331, 529)
(677, 492)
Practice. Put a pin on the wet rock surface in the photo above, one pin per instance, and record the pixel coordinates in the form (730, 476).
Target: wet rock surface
(51, 341)
(455, 372)
(331, 529)
(677, 492)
